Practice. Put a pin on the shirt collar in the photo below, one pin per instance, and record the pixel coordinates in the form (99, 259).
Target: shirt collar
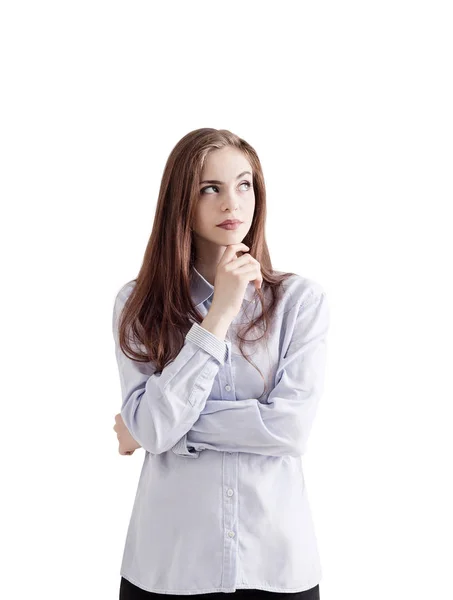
(201, 289)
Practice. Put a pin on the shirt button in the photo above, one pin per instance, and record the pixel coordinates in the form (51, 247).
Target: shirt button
(231, 533)
(228, 387)
(230, 492)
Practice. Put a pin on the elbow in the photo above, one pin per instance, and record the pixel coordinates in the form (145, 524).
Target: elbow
(296, 449)
(302, 429)
(145, 441)
(299, 441)
(141, 430)
(299, 449)
(152, 434)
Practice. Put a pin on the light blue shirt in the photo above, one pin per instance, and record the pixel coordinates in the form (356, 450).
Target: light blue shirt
(221, 502)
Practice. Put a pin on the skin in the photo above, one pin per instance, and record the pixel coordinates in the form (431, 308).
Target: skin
(232, 199)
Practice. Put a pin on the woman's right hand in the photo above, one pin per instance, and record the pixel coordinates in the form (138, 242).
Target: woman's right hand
(232, 278)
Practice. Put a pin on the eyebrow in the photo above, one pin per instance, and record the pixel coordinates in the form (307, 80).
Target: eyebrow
(221, 182)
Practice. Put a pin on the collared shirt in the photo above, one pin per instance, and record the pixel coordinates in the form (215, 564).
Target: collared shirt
(221, 502)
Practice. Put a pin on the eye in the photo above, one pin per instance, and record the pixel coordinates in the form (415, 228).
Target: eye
(203, 191)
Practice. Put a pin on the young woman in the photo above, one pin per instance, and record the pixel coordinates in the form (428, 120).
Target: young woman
(221, 505)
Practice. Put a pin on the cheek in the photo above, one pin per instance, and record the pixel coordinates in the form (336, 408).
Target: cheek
(203, 217)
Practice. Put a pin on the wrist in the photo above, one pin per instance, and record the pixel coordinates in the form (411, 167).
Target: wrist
(217, 324)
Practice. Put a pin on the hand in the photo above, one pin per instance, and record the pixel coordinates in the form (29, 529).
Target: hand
(233, 274)
(127, 443)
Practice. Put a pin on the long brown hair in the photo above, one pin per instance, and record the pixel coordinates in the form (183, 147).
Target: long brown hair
(157, 312)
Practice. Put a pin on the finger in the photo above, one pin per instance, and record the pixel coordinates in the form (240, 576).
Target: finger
(248, 268)
(230, 252)
(244, 269)
(245, 259)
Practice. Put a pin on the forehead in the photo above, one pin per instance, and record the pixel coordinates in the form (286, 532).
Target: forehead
(226, 162)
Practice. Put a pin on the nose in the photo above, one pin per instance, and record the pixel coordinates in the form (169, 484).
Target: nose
(230, 201)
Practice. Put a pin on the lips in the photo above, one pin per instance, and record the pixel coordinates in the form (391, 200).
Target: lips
(230, 226)
(230, 222)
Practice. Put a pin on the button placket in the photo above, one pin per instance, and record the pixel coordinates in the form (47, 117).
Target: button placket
(230, 512)
(226, 379)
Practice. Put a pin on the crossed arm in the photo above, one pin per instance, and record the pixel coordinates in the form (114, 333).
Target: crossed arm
(171, 410)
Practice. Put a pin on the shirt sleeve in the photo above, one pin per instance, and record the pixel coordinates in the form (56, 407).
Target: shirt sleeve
(159, 407)
(282, 426)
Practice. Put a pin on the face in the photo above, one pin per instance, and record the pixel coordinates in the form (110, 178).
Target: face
(231, 197)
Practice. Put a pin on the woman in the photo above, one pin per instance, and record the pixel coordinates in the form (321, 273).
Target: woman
(221, 505)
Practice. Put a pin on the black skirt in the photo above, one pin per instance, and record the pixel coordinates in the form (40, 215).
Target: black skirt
(129, 591)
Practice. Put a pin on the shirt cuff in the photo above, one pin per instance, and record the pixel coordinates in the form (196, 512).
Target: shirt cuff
(181, 448)
(208, 342)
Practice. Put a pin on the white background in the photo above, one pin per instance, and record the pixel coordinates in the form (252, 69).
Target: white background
(349, 106)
